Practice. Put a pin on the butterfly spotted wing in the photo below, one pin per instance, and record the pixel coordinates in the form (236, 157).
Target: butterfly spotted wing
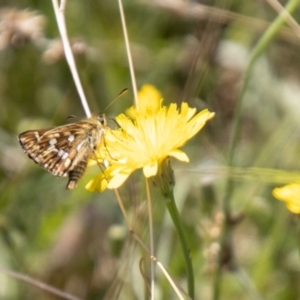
(65, 150)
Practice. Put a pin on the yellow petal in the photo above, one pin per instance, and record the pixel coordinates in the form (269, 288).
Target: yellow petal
(290, 194)
(149, 98)
(186, 111)
(293, 208)
(180, 155)
(150, 170)
(99, 183)
(117, 180)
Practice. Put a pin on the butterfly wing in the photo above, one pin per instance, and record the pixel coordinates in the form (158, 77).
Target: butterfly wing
(65, 150)
(57, 149)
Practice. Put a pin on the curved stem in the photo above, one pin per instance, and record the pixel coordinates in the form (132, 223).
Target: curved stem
(59, 11)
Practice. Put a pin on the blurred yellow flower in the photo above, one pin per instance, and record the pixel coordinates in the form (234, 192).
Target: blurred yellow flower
(290, 194)
(153, 133)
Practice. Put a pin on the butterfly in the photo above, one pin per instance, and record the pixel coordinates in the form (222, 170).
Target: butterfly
(65, 150)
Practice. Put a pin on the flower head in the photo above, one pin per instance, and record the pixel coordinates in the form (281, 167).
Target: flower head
(153, 133)
(20, 26)
(290, 194)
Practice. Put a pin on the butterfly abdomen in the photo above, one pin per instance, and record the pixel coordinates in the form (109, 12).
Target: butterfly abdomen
(76, 174)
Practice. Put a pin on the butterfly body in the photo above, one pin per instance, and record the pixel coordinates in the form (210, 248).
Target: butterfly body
(65, 150)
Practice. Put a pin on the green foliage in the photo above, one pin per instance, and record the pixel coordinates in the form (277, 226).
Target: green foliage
(69, 238)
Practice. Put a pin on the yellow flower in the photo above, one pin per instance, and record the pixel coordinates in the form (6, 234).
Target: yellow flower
(290, 194)
(149, 101)
(153, 133)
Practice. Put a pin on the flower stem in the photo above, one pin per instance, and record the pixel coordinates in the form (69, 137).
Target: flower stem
(172, 208)
(150, 215)
(164, 182)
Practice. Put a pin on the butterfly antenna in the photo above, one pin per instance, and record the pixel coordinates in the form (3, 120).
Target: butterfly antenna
(112, 102)
(71, 117)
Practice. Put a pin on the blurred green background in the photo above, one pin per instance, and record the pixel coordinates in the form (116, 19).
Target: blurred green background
(191, 51)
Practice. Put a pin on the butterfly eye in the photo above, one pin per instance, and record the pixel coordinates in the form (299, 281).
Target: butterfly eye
(101, 119)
